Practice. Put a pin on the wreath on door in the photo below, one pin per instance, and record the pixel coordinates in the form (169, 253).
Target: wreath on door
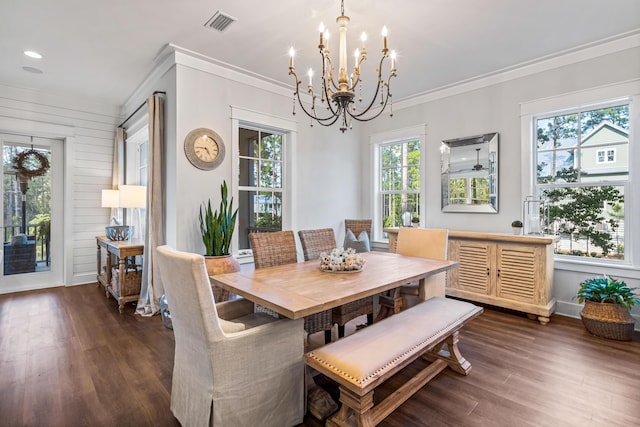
(31, 163)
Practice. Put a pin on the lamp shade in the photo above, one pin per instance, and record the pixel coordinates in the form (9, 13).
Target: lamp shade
(110, 199)
(133, 196)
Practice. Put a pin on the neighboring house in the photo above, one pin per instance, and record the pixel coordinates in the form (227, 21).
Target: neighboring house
(605, 153)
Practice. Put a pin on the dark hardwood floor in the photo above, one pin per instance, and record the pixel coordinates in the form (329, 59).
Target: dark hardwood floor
(67, 358)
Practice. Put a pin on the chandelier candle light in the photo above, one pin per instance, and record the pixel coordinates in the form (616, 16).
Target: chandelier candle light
(340, 96)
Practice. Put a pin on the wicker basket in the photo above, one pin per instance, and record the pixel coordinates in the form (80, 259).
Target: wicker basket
(611, 321)
(131, 285)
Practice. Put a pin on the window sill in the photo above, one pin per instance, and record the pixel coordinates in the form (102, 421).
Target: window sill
(593, 267)
(244, 256)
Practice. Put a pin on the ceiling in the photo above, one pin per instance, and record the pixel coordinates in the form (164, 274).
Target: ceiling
(102, 50)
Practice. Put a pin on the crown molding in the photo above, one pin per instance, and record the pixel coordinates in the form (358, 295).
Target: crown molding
(619, 43)
(172, 55)
(163, 62)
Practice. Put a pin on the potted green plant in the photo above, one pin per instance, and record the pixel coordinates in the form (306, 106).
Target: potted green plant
(43, 231)
(217, 228)
(516, 226)
(607, 302)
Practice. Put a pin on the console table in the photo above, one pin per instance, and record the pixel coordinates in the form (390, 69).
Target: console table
(117, 254)
(505, 270)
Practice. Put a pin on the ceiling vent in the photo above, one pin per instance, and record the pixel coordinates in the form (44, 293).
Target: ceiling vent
(220, 21)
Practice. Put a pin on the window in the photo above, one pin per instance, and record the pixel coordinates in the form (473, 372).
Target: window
(142, 160)
(260, 190)
(582, 170)
(399, 181)
(606, 156)
(137, 158)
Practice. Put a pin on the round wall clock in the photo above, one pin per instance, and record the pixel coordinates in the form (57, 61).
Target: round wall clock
(204, 148)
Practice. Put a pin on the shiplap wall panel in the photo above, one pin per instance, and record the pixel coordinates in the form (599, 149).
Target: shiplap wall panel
(90, 161)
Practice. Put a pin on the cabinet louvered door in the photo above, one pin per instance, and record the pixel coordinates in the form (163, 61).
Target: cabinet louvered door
(518, 272)
(473, 274)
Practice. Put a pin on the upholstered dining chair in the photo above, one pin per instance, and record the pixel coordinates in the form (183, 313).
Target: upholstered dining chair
(232, 367)
(278, 248)
(423, 243)
(352, 310)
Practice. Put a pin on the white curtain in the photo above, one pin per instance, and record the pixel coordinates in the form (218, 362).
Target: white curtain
(151, 289)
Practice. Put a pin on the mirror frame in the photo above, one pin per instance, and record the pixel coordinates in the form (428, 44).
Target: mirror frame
(448, 156)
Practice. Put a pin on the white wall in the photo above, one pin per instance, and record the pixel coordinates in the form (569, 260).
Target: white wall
(495, 107)
(87, 129)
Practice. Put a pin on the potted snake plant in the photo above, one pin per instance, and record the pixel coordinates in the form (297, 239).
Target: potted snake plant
(216, 228)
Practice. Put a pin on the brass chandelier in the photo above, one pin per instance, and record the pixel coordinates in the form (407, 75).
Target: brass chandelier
(340, 96)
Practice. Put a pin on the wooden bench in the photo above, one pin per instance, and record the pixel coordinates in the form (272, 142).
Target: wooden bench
(362, 361)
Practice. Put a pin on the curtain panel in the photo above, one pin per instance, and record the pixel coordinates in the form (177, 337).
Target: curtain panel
(152, 289)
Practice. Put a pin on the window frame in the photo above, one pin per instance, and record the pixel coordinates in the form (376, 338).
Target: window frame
(259, 160)
(417, 133)
(626, 92)
(243, 118)
(579, 151)
(136, 136)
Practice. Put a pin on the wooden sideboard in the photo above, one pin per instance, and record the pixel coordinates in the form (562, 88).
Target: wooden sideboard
(505, 270)
(127, 285)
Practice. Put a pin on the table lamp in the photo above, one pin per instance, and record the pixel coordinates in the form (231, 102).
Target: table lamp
(128, 197)
(133, 197)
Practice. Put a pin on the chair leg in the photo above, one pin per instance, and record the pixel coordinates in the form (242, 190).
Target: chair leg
(370, 319)
(340, 331)
(327, 336)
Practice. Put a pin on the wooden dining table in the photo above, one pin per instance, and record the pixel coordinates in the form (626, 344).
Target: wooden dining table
(301, 289)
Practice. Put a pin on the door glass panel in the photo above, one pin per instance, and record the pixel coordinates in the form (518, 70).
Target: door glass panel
(26, 209)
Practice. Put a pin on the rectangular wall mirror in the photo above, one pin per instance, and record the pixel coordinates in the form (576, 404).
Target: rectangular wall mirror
(469, 174)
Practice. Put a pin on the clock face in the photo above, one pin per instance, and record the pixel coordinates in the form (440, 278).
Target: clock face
(204, 148)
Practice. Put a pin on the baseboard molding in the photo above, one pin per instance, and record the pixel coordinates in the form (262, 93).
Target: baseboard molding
(82, 279)
(569, 309)
(20, 288)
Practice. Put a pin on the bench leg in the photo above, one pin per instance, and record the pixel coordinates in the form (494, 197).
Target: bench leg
(358, 407)
(451, 355)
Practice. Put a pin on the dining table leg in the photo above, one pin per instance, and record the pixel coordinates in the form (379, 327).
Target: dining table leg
(389, 305)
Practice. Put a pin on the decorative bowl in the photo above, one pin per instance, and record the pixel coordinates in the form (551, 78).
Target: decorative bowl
(119, 232)
(341, 260)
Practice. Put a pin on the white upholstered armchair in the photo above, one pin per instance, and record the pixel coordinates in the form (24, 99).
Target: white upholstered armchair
(232, 367)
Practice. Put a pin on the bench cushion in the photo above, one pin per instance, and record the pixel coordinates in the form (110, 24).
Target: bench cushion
(373, 352)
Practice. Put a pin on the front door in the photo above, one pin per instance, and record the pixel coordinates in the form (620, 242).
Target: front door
(31, 207)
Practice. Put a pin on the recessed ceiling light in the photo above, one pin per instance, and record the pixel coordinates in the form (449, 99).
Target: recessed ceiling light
(32, 70)
(32, 54)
